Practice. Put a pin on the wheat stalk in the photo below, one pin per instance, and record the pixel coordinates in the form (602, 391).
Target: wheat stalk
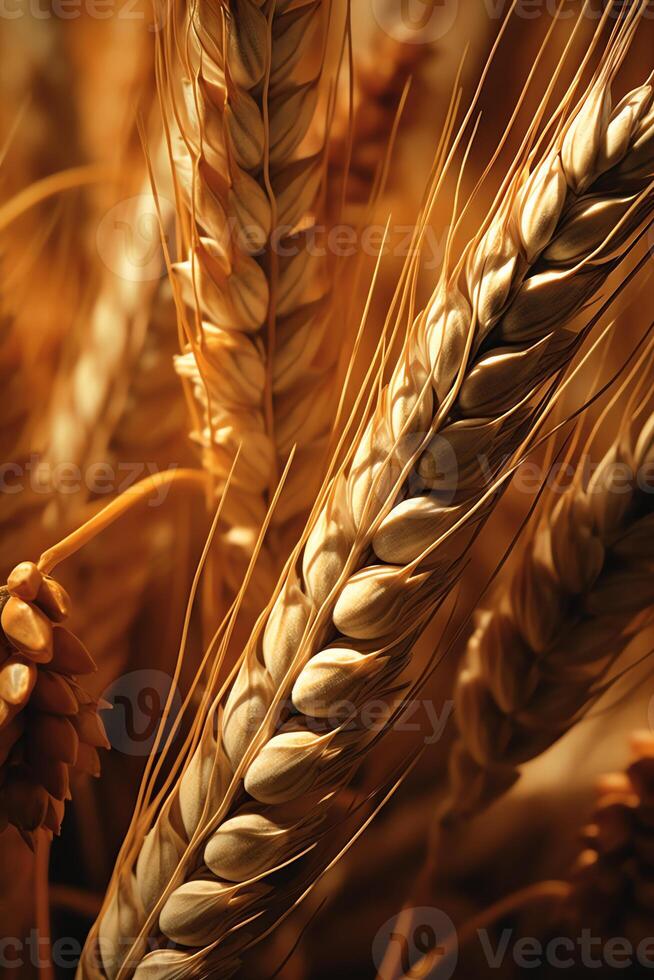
(539, 658)
(256, 355)
(377, 560)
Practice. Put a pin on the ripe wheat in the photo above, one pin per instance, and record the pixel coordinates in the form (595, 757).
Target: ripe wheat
(539, 658)
(48, 723)
(256, 355)
(380, 555)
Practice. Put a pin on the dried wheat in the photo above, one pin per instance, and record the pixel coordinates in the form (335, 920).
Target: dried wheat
(376, 559)
(257, 359)
(48, 724)
(537, 660)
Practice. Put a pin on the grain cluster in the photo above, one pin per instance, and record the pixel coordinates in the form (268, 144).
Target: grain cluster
(385, 547)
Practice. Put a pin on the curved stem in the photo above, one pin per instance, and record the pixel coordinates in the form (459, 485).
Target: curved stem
(64, 180)
(117, 508)
(542, 890)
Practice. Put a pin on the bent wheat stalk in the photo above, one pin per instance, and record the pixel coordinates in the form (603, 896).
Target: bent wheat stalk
(538, 660)
(381, 553)
(252, 281)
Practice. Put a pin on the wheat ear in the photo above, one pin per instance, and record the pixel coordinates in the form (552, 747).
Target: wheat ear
(376, 560)
(90, 400)
(48, 723)
(256, 355)
(612, 880)
(538, 659)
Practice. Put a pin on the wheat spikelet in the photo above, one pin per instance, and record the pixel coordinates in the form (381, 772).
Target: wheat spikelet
(537, 660)
(612, 880)
(90, 399)
(153, 415)
(376, 561)
(256, 355)
(110, 575)
(48, 724)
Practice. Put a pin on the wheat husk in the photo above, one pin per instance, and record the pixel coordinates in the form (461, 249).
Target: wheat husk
(48, 724)
(443, 383)
(540, 658)
(257, 300)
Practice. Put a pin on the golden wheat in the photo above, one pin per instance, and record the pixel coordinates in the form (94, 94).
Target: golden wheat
(379, 557)
(48, 724)
(538, 659)
(256, 355)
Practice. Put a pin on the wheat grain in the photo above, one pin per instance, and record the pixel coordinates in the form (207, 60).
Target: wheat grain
(257, 360)
(538, 660)
(458, 382)
(48, 724)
